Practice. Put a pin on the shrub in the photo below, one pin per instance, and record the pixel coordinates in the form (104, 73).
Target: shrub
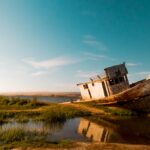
(54, 114)
(23, 102)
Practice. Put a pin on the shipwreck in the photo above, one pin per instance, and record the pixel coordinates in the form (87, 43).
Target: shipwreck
(113, 87)
(113, 81)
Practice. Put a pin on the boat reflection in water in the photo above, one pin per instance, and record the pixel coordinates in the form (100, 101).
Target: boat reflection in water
(93, 131)
(131, 131)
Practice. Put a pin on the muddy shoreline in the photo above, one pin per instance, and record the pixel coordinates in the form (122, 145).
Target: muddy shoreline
(94, 146)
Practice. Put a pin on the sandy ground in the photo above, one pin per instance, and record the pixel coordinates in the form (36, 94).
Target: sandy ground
(96, 146)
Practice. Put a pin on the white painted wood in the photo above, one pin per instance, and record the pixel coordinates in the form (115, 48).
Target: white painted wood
(84, 93)
(96, 90)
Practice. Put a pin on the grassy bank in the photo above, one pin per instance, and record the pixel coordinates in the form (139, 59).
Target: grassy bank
(109, 110)
(52, 113)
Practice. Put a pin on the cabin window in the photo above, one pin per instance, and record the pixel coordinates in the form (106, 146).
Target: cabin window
(111, 82)
(116, 80)
(85, 86)
(119, 80)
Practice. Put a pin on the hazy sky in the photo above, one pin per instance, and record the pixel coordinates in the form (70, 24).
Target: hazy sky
(51, 45)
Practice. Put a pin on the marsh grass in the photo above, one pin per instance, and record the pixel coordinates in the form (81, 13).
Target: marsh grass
(6, 116)
(61, 113)
(15, 134)
(11, 135)
(53, 113)
(18, 137)
(19, 103)
(21, 117)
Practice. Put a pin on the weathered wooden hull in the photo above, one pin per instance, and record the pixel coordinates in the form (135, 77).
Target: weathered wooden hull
(141, 105)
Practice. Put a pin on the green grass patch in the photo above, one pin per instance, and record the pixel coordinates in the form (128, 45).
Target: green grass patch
(53, 113)
(120, 112)
(12, 135)
(61, 113)
(19, 103)
(22, 116)
(18, 137)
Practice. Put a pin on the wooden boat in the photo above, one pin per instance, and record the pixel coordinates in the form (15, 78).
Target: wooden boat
(135, 98)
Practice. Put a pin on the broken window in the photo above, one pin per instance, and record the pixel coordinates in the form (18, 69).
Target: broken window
(116, 80)
(111, 82)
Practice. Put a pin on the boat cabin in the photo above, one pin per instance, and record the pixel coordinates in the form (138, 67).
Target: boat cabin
(112, 82)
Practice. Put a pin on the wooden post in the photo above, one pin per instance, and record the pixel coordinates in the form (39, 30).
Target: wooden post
(110, 92)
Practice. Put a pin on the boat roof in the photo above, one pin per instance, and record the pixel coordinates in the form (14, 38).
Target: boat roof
(93, 80)
(114, 66)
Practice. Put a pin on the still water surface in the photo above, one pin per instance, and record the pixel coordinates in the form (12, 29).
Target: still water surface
(129, 130)
(49, 98)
